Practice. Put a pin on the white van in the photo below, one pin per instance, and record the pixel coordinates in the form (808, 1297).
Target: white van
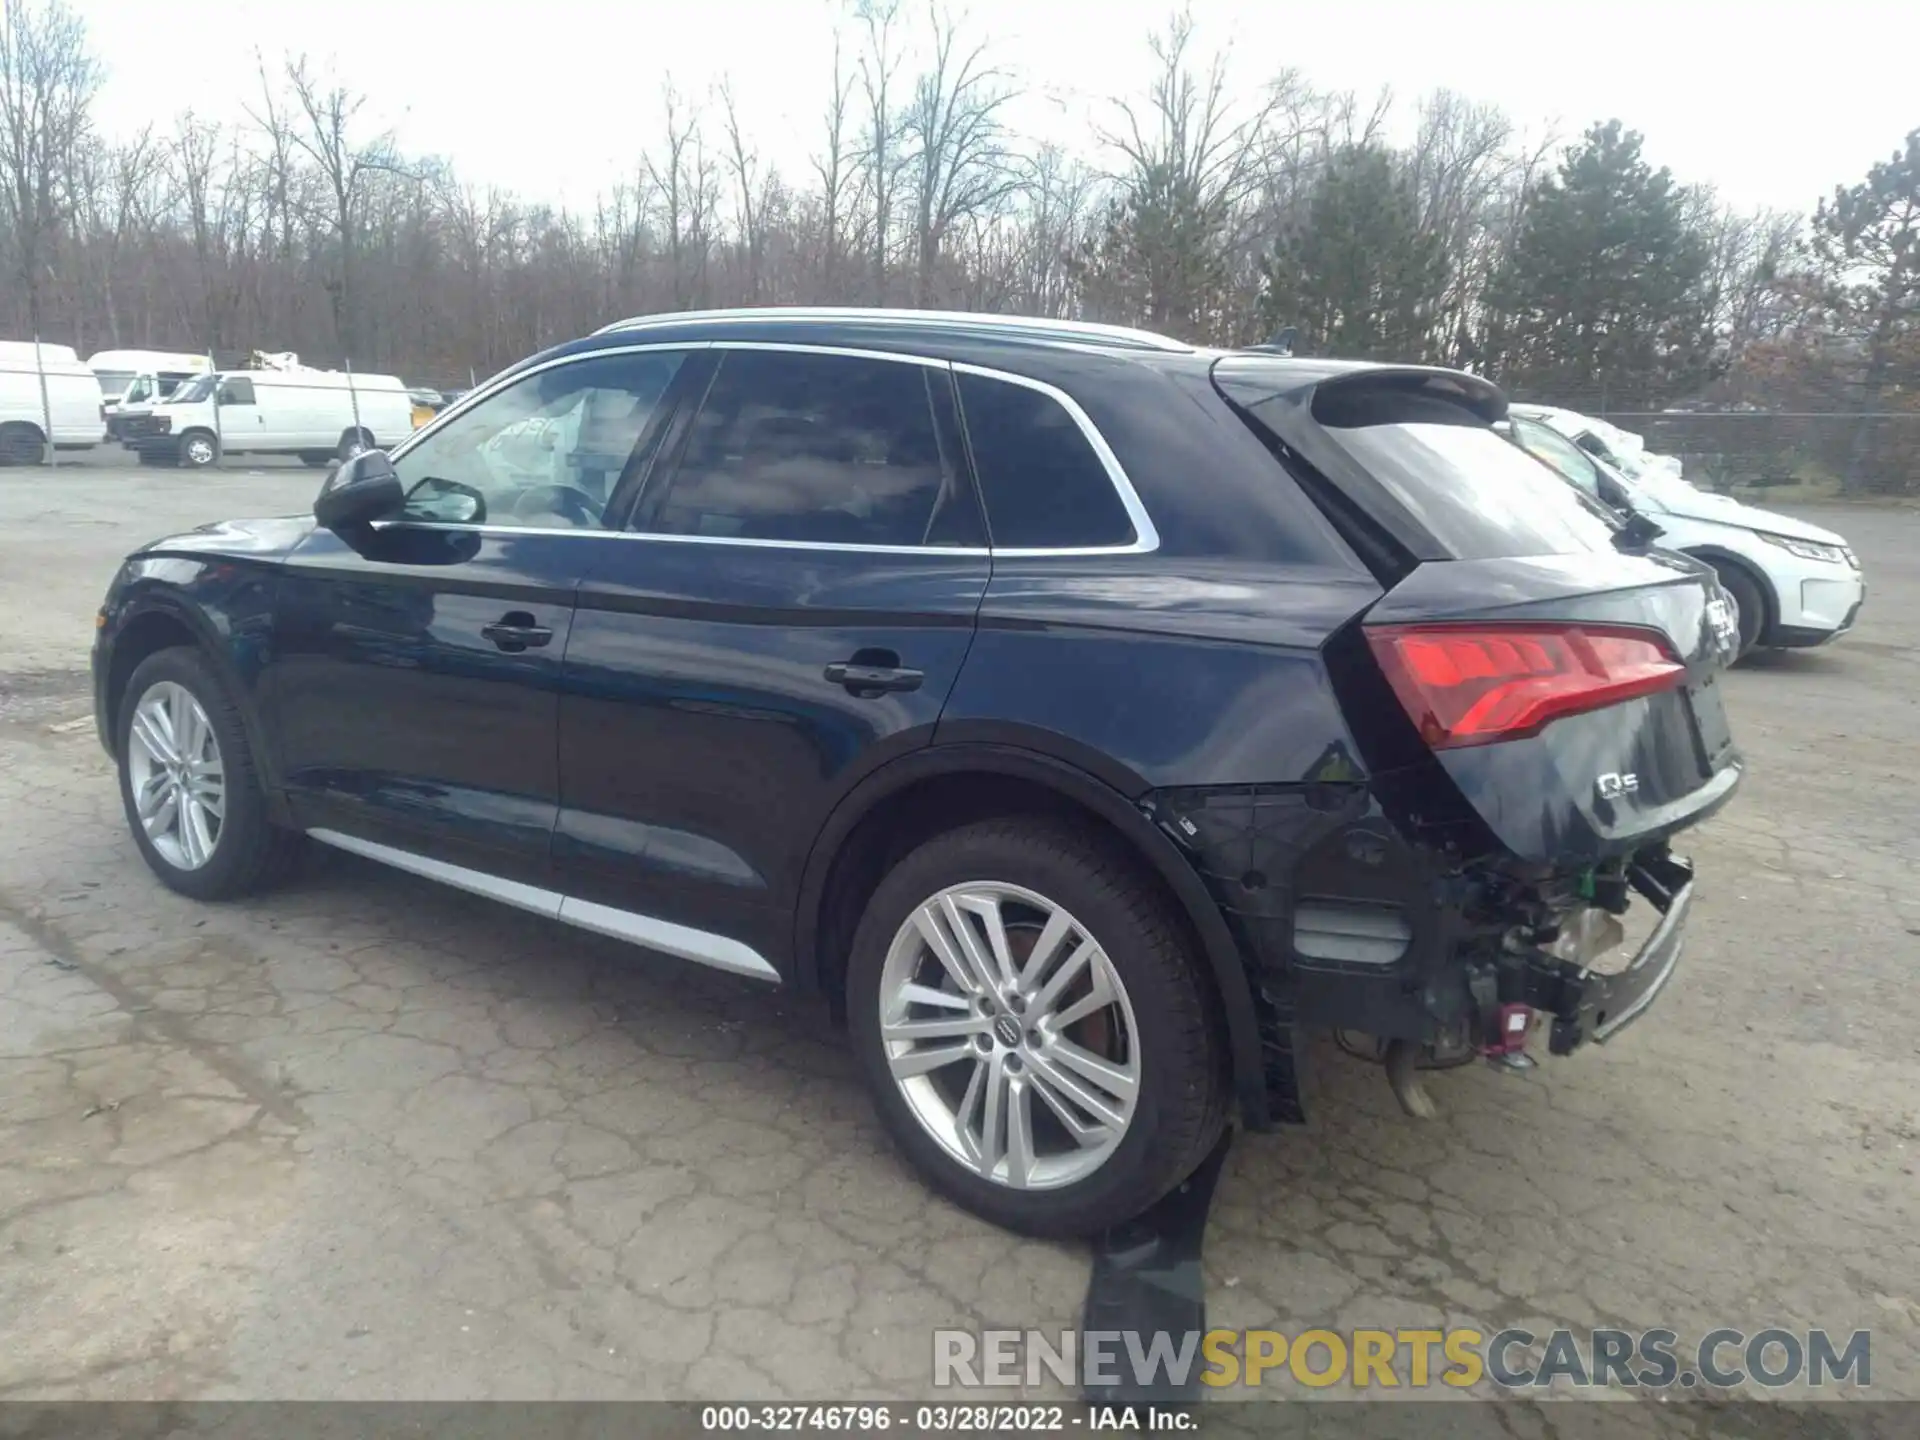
(141, 378)
(70, 400)
(319, 415)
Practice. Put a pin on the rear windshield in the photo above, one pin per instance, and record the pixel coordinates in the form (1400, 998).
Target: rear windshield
(1480, 496)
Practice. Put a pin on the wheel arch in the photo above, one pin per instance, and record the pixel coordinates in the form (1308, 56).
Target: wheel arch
(164, 622)
(1718, 555)
(938, 788)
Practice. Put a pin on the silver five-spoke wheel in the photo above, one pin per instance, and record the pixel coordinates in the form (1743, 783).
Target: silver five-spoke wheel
(178, 783)
(1010, 1035)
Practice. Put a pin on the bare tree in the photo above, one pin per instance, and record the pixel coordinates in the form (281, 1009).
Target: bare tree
(963, 164)
(1195, 158)
(751, 213)
(347, 166)
(881, 159)
(47, 81)
(833, 167)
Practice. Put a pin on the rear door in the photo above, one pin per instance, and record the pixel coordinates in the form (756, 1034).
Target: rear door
(1568, 685)
(798, 594)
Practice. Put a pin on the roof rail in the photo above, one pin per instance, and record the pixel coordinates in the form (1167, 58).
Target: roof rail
(1031, 325)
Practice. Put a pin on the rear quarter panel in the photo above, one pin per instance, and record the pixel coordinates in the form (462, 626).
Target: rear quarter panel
(1153, 672)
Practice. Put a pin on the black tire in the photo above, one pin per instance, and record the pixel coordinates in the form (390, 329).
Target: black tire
(1748, 601)
(317, 459)
(198, 450)
(21, 444)
(1182, 1099)
(249, 852)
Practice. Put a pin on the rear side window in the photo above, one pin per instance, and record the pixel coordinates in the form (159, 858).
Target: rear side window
(1044, 485)
(831, 449)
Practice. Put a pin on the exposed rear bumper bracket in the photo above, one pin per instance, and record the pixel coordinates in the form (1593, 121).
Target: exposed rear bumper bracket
(1590, 1007)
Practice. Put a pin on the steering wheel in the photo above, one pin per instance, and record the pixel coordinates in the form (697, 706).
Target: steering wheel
(574, 504)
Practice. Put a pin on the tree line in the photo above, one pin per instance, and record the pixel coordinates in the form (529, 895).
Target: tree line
(1216, 206)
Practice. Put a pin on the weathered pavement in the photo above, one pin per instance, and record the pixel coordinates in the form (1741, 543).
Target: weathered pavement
(370, 1138)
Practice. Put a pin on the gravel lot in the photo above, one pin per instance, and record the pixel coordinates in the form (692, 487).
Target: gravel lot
(370, 1138)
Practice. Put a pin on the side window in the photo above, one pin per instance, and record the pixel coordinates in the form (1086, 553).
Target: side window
(834, 449)
(140, 390)
(236, 392)
(1043, 484)
(547, 451)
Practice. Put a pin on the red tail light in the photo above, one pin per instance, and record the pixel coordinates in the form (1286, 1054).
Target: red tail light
(1475, 684)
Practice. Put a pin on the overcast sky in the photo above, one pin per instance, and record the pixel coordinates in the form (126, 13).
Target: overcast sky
(1773, 104)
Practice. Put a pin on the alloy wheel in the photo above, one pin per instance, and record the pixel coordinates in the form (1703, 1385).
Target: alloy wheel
(1010, 1035)
(199, 450)
(174, 770)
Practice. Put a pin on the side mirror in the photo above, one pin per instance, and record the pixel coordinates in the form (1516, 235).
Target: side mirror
(358, 492)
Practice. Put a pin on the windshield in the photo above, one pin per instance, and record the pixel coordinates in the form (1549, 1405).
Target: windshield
(194, 391)
(113, 382)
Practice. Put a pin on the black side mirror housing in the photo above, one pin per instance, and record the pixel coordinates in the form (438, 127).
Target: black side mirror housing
(358, 492)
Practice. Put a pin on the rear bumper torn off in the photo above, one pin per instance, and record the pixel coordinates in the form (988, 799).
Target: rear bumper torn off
(1586, 1006)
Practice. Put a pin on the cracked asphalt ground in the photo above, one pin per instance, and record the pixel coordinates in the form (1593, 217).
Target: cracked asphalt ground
(370, 1138)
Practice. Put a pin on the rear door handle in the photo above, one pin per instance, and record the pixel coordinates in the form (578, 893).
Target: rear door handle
(516, 631)
(869, 680)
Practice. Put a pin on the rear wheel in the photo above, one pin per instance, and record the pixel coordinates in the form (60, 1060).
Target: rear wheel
(198, 449)
(1037, 1035)
(21, 444)
(1750, 607)
(317, 459)
(189, 785)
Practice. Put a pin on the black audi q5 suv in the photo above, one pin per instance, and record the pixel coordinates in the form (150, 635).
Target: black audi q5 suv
(1087, 716)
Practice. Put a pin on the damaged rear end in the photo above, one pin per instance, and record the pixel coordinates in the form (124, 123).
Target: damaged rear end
(1536, 705)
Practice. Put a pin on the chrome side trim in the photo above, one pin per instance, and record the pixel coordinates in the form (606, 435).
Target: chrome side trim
(475, 882)
(700, 946)
(1146, 537)
(681, 941)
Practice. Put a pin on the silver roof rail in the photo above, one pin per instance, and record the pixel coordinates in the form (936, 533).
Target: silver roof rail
(1034, 326)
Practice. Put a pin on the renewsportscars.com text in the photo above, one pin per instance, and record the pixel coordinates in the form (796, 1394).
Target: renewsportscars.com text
(1413, 1359)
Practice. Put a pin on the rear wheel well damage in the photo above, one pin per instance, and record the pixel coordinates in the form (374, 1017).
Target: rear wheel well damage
(860, 847)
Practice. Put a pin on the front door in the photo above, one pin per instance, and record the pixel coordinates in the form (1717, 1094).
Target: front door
(415, 673)
(793, 607)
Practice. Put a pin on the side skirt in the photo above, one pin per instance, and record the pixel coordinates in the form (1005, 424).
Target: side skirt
(681, 941)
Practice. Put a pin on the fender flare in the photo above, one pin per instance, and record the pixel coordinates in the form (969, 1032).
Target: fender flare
(210, 641)
(1225, 963)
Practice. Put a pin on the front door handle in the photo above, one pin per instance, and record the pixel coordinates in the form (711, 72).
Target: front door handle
(516, 631)
(868, 681)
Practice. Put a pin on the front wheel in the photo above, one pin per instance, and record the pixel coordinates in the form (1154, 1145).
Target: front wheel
(1037, 1033)
(189, 785)
(1750, 608)
(198, 450)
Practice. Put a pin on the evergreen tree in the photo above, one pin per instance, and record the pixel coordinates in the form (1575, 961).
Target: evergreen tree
(1357, 273)
(1867, 242)
(1603, 301)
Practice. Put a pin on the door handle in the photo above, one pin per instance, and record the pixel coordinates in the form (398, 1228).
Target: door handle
(516, 631)
(867, 681)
